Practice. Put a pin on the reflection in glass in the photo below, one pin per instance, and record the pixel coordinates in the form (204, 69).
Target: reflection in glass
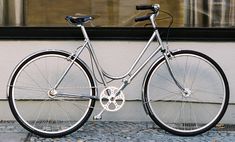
(117, 13)
(210, 13)
(11, 13)
(2, 12)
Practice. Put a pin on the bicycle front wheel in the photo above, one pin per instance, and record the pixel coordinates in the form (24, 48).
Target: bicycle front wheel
(196, 111)
(44, 110)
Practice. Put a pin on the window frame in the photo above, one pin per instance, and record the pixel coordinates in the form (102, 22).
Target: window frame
(116, 33)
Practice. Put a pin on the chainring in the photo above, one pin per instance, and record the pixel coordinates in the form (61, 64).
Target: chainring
(110, 100)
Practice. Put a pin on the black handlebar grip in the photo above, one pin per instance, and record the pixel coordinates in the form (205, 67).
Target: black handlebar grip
(144, 7)
(143, 18)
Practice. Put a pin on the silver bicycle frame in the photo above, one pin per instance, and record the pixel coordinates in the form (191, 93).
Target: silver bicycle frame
(103, 74)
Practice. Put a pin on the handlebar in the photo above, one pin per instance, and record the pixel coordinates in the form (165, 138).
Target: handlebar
(144, 7)
(155, 8)
(142, 18)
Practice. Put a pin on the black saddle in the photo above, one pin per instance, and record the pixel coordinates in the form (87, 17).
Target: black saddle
(78, 20)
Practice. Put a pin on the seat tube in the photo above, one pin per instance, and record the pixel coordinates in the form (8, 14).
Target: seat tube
(93, 55)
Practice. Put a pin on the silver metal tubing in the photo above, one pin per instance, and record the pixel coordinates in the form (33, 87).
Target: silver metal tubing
(126, 82)
(103, 74)
(136, 61)
(154, 35)
(168, 63)
(75, 96)
(70, 65)
(100, 70)
(84, 32)
(172, 74)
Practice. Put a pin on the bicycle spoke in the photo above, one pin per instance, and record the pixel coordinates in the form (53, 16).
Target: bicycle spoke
(194, 77)
(165, 89)
(193, 117)
(204, 93)
(77, 105)
(166, 78)
(29, 88)
(67, 115)
(39, 113)
(34, 81)
(39, 107)
(42, 74)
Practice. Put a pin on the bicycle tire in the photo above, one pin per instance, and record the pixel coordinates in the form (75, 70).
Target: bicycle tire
(180, 114)
(39, 111)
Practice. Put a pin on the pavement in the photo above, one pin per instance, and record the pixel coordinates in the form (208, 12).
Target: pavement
(110, 131)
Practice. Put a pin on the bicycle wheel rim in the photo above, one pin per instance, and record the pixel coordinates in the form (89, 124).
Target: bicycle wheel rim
(51, 104)
(185, 127)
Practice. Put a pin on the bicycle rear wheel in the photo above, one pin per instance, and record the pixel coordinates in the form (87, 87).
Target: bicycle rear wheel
(191, 113)
(46, 111)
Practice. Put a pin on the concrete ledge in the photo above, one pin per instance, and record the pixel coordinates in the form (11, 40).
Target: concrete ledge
(116, 57)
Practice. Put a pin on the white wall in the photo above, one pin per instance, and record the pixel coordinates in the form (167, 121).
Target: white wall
(116, 57)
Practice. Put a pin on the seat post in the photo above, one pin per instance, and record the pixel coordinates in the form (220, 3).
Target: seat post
(84, 32)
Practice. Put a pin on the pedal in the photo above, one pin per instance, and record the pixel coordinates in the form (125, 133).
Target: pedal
(97, 117)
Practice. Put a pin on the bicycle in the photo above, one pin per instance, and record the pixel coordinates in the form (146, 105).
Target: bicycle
(52, 93)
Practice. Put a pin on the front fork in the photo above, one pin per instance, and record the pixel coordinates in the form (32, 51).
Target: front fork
(167, 57)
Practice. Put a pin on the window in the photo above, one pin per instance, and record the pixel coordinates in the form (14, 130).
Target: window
(193, 19)
(116, 13)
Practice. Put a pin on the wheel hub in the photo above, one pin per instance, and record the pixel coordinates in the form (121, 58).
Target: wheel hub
(187, 92)
(52, 93)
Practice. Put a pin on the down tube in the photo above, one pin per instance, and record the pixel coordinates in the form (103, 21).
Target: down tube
(142, 66)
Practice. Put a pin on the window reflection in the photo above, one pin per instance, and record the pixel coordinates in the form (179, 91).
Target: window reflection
(210, 13)
(11, 13)
(116, 13)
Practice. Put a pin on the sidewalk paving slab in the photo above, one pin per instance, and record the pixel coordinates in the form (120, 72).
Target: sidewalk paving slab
(12, 137)
(108, 131)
